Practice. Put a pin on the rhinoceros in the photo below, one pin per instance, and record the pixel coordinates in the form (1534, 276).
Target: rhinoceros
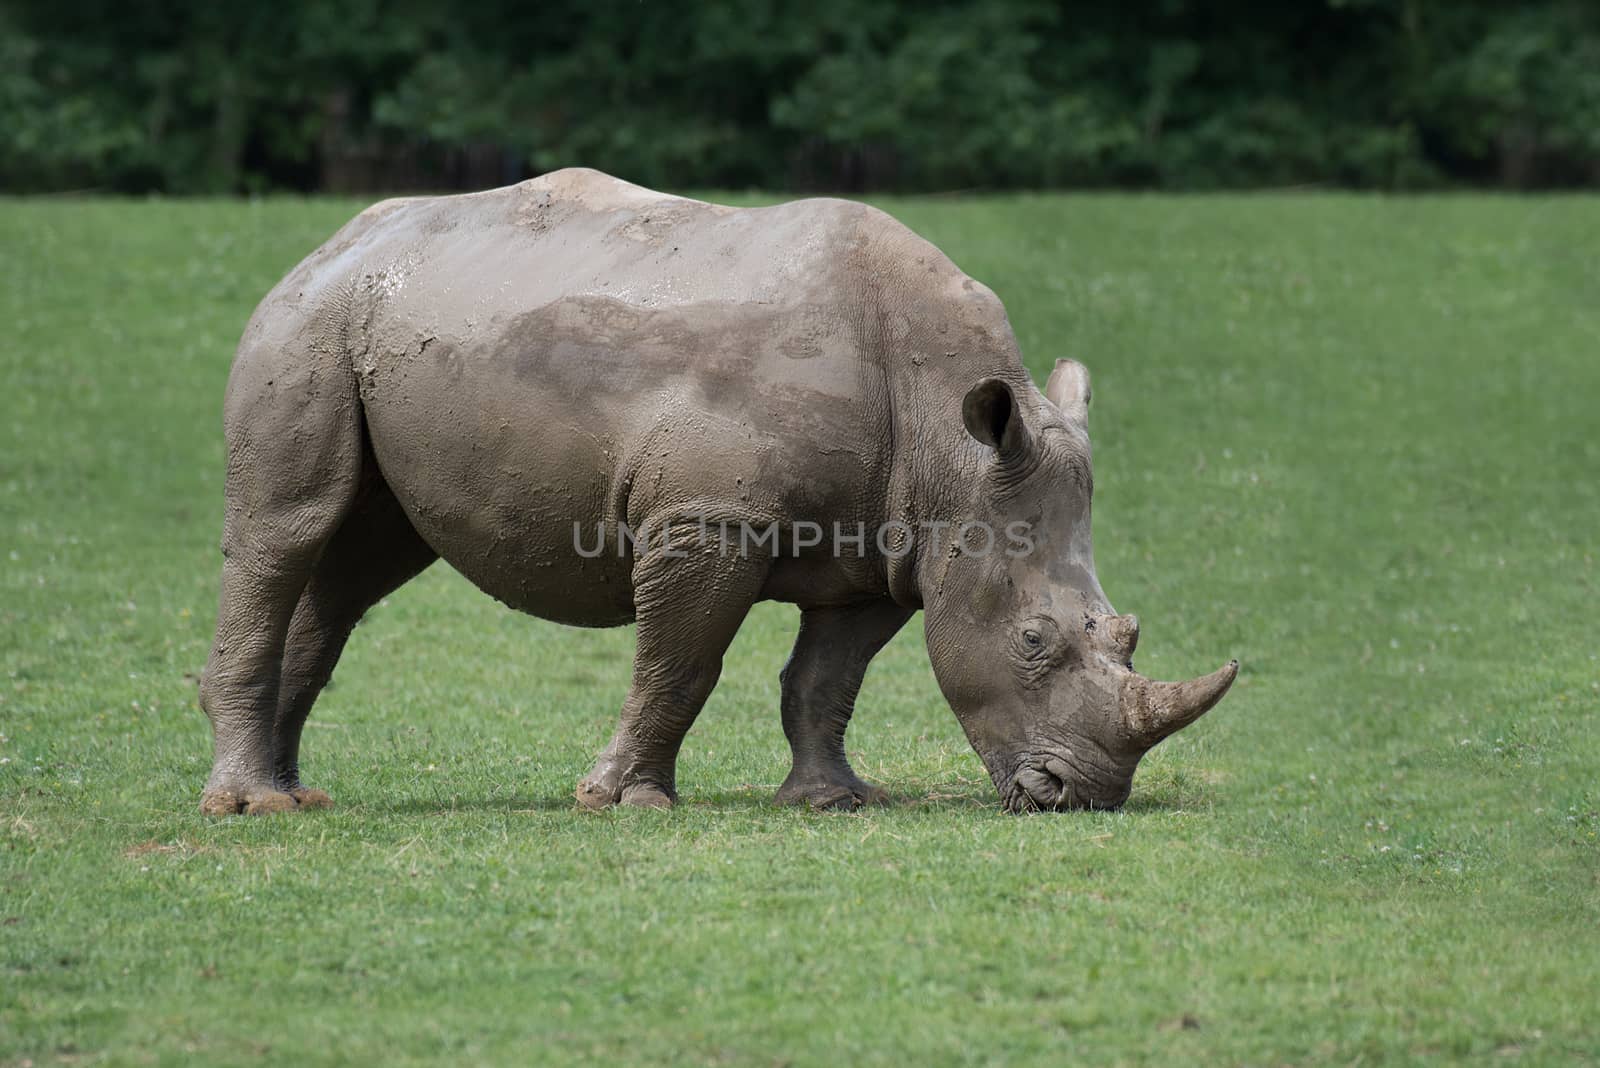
(561, 386)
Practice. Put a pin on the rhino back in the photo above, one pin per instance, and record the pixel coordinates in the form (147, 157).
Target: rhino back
(575, 349)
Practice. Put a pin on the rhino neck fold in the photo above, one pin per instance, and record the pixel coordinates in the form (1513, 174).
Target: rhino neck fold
(932, 333)
(935, 474)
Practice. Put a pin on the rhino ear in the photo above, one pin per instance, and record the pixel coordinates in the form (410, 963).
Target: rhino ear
(1068, 389)
(992, 416)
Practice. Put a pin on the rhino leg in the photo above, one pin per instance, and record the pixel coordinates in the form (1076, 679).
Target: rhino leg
(294, 465)
(688, 609)
(819, 687)
(374, 552)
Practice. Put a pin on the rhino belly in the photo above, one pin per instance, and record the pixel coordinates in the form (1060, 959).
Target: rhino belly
(501, 476)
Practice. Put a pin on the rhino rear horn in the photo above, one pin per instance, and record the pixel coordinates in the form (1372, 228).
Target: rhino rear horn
(1125, 634)
(1068, 389)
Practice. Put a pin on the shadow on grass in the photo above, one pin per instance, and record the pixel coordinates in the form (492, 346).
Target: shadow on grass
(749, 799)
(755, 799)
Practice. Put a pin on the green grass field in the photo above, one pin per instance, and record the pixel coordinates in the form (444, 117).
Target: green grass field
(1351, 440)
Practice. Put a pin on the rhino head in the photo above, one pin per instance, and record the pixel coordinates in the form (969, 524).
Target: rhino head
(1027, 649)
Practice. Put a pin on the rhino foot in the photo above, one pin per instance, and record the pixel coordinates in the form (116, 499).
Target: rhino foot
(285, 795)
(603, 787)
(252, 802)
(310, 797)
(837, 793)
(287, 781)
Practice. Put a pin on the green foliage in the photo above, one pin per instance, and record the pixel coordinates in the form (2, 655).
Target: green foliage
(1348, 439)
(193, 96)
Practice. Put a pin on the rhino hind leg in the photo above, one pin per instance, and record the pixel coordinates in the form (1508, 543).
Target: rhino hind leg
(295, 457)
(374, 552)
(819, 687)
(688, 609)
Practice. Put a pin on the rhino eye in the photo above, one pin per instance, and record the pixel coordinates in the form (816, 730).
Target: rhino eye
(1032, 645)
(1030, 650)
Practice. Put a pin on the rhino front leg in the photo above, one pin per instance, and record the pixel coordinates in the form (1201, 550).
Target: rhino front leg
(688, 608)
(819, 687)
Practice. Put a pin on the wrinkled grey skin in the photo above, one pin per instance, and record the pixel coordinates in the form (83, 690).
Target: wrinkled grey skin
(469, 376)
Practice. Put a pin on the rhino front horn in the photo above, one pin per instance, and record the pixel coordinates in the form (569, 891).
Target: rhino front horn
(1156, 709)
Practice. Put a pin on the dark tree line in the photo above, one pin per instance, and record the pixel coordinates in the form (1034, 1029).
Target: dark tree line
(202, 96)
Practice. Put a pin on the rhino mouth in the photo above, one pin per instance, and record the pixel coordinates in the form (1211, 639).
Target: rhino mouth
(1041, 784)
(1049, 783)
